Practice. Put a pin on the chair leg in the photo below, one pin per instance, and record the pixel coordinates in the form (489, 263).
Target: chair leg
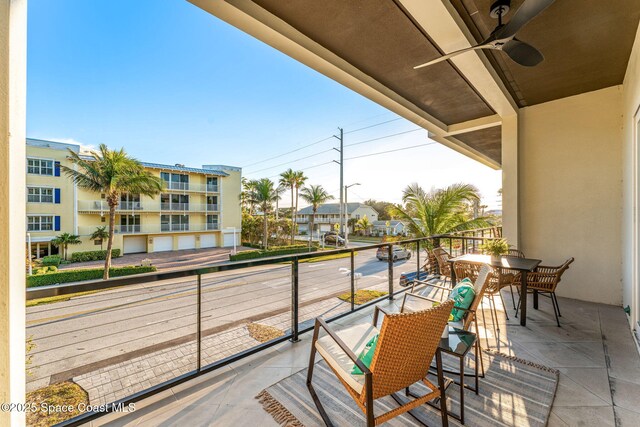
(553, 295)
(555, 309)
(513, 298)
(479, 350)
(312, 391)
(503, 305)
(494, 319)
(484, 323)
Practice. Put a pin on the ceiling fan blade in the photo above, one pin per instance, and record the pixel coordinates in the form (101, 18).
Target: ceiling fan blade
(529, 10)
(522, 53)
(451, 55)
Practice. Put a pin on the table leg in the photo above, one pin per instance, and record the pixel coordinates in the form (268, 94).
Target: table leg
(523, 298)
(462, 390)
(535, 299)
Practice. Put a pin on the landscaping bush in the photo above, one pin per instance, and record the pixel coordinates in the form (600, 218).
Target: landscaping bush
(45, 270)
(93, 255)
(51, 260)
(270, 252)
(299, 244)
(67, 276)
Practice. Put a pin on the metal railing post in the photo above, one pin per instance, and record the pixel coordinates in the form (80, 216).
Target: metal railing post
(418, 260)
(390, 248)
(353, 280)
(199, 317)
(294, 300)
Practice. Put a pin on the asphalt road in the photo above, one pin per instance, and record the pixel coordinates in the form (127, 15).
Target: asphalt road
(89, 329)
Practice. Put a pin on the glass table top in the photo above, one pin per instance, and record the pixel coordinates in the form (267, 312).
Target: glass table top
(458, 343)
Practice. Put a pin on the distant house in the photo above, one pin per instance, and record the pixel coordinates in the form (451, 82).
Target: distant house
(329, 214)
(391, 227)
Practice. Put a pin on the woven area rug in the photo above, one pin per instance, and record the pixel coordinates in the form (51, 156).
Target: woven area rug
(514, 392)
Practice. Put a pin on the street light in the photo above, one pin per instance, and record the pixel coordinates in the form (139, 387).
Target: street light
(346, 214)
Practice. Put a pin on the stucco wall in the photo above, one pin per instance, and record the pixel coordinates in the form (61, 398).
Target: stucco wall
(630, 105)
(570, 160)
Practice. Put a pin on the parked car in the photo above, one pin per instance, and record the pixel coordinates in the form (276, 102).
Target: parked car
(332, 238)
(398, 253)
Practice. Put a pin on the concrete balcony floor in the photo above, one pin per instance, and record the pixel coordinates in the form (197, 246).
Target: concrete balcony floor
(594, 351)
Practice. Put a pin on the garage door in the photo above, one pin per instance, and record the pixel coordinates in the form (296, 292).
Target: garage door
(135, 244)
(208, 241)
(228, 240)
(186, 242)
(164, 243)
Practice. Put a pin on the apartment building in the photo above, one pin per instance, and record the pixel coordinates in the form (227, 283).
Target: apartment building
(199, 207)
(328, 215)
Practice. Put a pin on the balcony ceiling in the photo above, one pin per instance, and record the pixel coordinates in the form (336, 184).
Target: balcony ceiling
(586, 44)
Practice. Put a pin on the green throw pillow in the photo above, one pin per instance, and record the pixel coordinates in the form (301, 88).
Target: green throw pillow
(462, 296)
(366, 355)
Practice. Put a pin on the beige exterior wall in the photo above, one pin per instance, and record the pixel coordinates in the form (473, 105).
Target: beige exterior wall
(13, 72)
(82, 211)
(570, 157)
(631, 195)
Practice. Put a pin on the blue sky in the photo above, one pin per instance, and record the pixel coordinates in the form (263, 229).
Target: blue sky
(173, 84)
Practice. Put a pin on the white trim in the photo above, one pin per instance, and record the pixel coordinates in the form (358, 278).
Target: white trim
(53, 195)
(635, 264)
(53, 165)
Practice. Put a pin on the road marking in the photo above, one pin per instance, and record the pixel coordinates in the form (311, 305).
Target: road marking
(314, 265)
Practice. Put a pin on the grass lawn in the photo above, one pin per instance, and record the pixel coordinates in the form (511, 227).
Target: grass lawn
(65, 393)
(362, 296)
(365, 239)
(263, 333)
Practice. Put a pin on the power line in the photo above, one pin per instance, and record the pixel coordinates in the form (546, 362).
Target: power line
(391, 151)
(383, 137)
(304, 169)
(290, 161)
(371, 126)
(288, 152)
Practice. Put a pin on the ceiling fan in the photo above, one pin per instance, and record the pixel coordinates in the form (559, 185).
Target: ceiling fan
(503, 37)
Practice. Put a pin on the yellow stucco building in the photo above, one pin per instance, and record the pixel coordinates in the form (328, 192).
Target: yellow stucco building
(199, 207)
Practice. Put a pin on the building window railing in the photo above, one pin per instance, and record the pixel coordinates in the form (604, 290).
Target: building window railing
(174, 206)
(212, 207)
(130, 206)
(137, 228)
(213, 226)
(212, 187)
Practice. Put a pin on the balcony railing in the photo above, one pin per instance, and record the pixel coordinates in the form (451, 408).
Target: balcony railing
(174, 206)
(212, 188)
(213, 226)
(283, 287)
(129, 229)
(212, 207)
(177, 185)
(175, 227)
(187, 186)
(103, 206)
(151, 229)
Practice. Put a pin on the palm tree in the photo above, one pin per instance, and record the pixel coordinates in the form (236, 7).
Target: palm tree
(247, 186)
(315, 195)
(439, 211)
(112, 172)
(264, 195)
(364, 224)
(101, 234)
(294, 180)
(279, 190)
(64, 240)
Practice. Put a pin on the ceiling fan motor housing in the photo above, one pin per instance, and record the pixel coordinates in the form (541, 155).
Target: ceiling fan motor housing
(500, 8)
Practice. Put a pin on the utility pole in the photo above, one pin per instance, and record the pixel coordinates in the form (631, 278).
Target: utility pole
(341, 163)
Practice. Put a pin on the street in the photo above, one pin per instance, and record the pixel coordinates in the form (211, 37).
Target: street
(93, 331)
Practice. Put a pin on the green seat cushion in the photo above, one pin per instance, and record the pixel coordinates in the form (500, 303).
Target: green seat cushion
(462, 295)
(366, 355)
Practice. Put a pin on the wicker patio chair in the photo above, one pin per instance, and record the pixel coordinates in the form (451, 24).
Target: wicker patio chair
(479, 274)
(516, 253)
(406, 346)
(545, 281)
(442, 258)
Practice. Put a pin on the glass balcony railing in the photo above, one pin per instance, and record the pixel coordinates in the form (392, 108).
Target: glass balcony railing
(129, 229)
(213, 226)
(174, 206)
(212, 207)
(174, 227)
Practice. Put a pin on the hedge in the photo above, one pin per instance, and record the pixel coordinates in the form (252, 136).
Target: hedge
(51, 260)
(66, 276)
(93, 255)
(45, 270)
(275, 252)
(299, 244)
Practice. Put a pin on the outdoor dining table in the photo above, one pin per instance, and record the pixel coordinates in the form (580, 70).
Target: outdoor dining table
(523, 265)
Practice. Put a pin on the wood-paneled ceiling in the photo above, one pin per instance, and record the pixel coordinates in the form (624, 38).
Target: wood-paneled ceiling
(586, 44)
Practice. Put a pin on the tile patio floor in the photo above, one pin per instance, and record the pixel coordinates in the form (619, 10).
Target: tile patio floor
(594, 351)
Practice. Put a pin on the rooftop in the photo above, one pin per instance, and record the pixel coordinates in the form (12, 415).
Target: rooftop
(332, 208)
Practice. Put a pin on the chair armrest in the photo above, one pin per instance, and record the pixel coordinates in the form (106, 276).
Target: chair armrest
(377, 310)
(322, 324)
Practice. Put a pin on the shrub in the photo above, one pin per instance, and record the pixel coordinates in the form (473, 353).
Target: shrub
(298, 244)
(270, 252)
(51, 260)
(93, 255)
(45, 270)
(67, 276)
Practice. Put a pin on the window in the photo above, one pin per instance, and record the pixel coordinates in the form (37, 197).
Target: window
(130, 223)
(212, 222)
(174, 222)
(212, 183)
(40, 223)
(175, 181)
(130, 201)
(40, 167)
(174, 201)
(39, 195)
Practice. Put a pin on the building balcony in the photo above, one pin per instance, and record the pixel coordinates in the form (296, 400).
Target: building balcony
(213, 226)
(174, 206)
(151, 229)
(192, 187)
(103, 206)
(594, 352)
